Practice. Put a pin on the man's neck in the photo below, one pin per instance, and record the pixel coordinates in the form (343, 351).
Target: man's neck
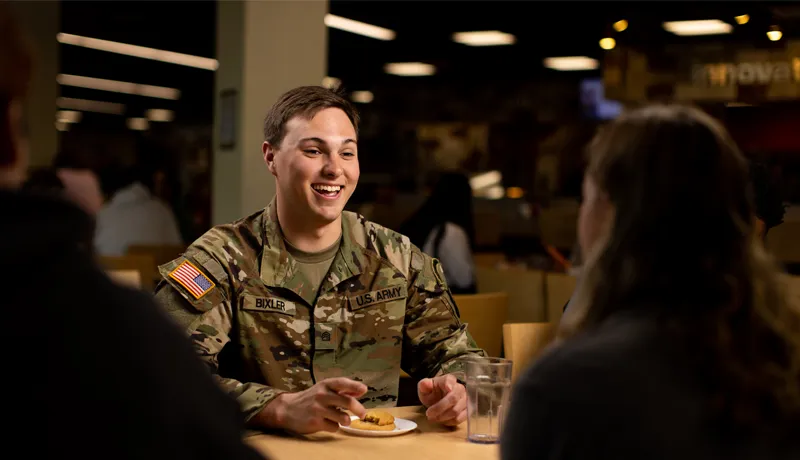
(308, 237)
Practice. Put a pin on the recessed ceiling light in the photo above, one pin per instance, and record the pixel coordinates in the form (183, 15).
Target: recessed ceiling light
(118, 86)
(160, 115)
(742, 19)
(495, 192)
(484, 38)
(608, 43)
(68, 116)
(138, 124)
(571, 63)
(410, 69)
(702, 27)
(620, 25)
(515, 192)
(774, 33)
(485, 179)
(90, 106)
(358, 27)
(139, 51)
(331, 82)
(362, 97)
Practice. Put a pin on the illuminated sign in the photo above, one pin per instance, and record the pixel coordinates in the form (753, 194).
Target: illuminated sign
(746, 73)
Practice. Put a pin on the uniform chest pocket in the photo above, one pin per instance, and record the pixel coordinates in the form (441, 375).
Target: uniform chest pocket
(377, 318)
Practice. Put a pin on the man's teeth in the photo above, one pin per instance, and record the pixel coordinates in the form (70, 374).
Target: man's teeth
(327, 188)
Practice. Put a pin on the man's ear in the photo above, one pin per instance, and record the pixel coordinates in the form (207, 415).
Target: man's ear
(269, 157)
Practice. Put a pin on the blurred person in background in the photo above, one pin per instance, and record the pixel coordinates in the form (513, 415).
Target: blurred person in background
(382, 209)
(681, 342)
(44, 181)
(102, 364)
(81, 183)
(133, 215)
(444, 227)
(77, 184)
(282, 304)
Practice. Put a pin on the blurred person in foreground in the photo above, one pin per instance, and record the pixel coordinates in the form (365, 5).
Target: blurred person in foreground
(444, 228)
(680, 342)
(302, 309)
(768, 207)
(103, 365)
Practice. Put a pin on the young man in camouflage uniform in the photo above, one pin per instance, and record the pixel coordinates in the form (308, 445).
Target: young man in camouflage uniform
(301, 309)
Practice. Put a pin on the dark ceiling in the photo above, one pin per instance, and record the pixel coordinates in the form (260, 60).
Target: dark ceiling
(423, 34)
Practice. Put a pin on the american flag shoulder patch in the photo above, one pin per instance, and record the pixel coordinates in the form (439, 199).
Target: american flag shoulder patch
(192, 279)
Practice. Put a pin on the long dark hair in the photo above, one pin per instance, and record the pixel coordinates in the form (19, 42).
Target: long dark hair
(450, 201)
(682, 240)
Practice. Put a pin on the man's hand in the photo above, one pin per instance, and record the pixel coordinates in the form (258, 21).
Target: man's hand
(445, 398)
(320, 408)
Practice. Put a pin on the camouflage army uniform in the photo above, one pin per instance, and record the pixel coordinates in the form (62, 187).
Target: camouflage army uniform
(383, 305)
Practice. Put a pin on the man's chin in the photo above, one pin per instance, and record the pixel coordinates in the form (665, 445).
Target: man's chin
(327, 216)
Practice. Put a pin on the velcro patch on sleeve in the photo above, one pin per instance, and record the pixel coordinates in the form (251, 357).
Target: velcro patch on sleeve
(195, 282)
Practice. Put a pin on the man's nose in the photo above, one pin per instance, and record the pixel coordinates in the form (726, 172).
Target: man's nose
(333, 166)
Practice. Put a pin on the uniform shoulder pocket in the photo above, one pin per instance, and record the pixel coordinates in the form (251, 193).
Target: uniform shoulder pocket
(430, 282)
(430, 275)
(198, 278)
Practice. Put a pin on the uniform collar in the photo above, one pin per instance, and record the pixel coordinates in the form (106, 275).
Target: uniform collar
(280, 270)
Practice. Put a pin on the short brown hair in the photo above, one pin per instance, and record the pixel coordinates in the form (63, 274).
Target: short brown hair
(304, 101)
(15, 73)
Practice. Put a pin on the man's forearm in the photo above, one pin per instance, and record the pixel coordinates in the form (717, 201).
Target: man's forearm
(252, 397)
(272, 415)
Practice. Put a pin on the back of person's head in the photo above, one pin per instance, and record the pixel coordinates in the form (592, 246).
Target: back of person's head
(452, 197)
(679, 240)
(113, 153)
(43, 180)
(15, 74)
(304, 101)
(450, 200)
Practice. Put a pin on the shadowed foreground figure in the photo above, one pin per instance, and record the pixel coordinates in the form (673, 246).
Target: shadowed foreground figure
(680, 342)
(102, 366)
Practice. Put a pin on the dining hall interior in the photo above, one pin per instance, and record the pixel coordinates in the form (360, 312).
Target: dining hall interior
(482, 130)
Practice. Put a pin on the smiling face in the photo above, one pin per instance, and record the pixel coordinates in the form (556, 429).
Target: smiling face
(315, 166)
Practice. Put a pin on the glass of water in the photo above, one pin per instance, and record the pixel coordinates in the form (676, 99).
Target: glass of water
(488, 393)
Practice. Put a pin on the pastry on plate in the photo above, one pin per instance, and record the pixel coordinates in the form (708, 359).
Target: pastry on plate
(375, 420)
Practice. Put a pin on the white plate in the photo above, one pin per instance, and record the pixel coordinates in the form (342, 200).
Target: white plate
(401, 426)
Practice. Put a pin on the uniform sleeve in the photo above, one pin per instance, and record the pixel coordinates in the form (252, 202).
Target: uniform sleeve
(208, 321)
(434, 337)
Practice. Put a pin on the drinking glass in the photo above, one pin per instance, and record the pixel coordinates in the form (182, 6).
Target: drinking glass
(488, 394)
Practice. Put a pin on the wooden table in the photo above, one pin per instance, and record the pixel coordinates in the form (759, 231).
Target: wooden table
(429, 441)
